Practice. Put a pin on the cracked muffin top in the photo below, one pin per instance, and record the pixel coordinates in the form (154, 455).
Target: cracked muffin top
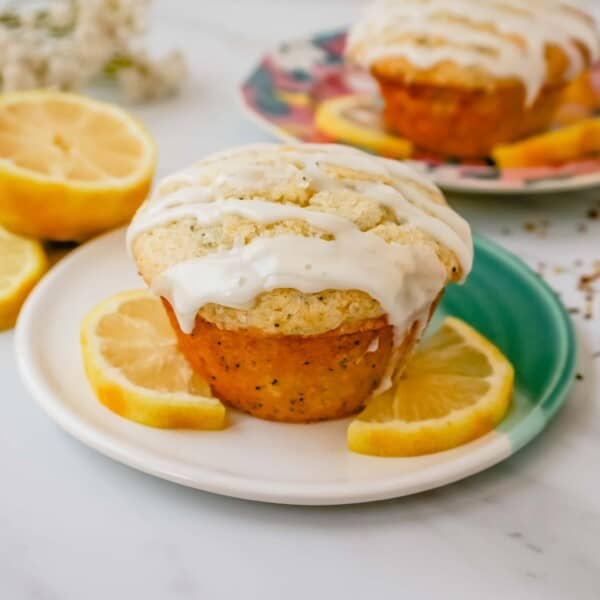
(298, 240)
(476, 43)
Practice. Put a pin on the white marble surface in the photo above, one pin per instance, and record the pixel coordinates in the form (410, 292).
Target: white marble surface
(75, 525)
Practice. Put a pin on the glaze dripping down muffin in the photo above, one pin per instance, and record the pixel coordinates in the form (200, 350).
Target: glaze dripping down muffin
(461, 76)
(298, 278)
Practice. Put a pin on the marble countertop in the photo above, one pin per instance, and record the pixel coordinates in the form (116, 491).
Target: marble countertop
(74, 525)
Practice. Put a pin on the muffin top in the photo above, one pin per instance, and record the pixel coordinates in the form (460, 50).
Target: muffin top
(476, 43)
(298, 239)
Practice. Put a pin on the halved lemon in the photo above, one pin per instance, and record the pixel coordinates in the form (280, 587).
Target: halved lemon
(70, 167)
(22, 264)
(457, 387)
(131, 359)
(356, 120)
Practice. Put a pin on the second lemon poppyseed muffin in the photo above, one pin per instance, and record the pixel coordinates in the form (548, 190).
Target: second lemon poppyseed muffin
(460, 77)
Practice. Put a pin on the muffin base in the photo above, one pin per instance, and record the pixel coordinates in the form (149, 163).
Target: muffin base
(295, 379)
(464, 122)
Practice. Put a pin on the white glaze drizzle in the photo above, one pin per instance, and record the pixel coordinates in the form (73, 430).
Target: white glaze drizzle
(536, 23)
(403, 279)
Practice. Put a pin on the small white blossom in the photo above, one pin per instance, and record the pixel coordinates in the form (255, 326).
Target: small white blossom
(64, 72)
(60, 14)
(152, 79)
(17, 77)
(67, 43)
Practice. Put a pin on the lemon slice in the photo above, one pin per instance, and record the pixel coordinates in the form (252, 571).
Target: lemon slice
(22, 263)
(567, 144)
(131, 359)
(457, 387)
(70, 167)
(356, 120)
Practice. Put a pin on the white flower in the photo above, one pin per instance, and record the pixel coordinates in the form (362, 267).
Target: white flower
(64, 72)
(17, 77)
(152, 79)
(60, 14)
(66, 43)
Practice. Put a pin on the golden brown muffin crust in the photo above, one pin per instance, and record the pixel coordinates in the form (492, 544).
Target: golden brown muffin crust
(285, 311)
(447, 72)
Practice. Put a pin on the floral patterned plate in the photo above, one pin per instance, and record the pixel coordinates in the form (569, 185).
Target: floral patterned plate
(285, 90)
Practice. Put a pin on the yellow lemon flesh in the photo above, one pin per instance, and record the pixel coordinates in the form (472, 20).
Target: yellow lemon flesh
(568, 144)
(457, 387)
(70, 167)
(132, 362)
(357, 121)
(22, 264)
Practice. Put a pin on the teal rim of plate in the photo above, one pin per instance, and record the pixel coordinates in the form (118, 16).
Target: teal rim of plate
(545, 364)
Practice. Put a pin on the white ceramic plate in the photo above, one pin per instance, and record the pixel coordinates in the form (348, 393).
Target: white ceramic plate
(252, 459)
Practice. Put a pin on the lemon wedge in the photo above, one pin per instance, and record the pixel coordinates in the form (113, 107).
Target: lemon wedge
(22, 264)
(457, 387)
(559, 146)
(132, 362)
(70, 167)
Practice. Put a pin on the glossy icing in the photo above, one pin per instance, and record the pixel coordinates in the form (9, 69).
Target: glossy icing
(507, 38)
